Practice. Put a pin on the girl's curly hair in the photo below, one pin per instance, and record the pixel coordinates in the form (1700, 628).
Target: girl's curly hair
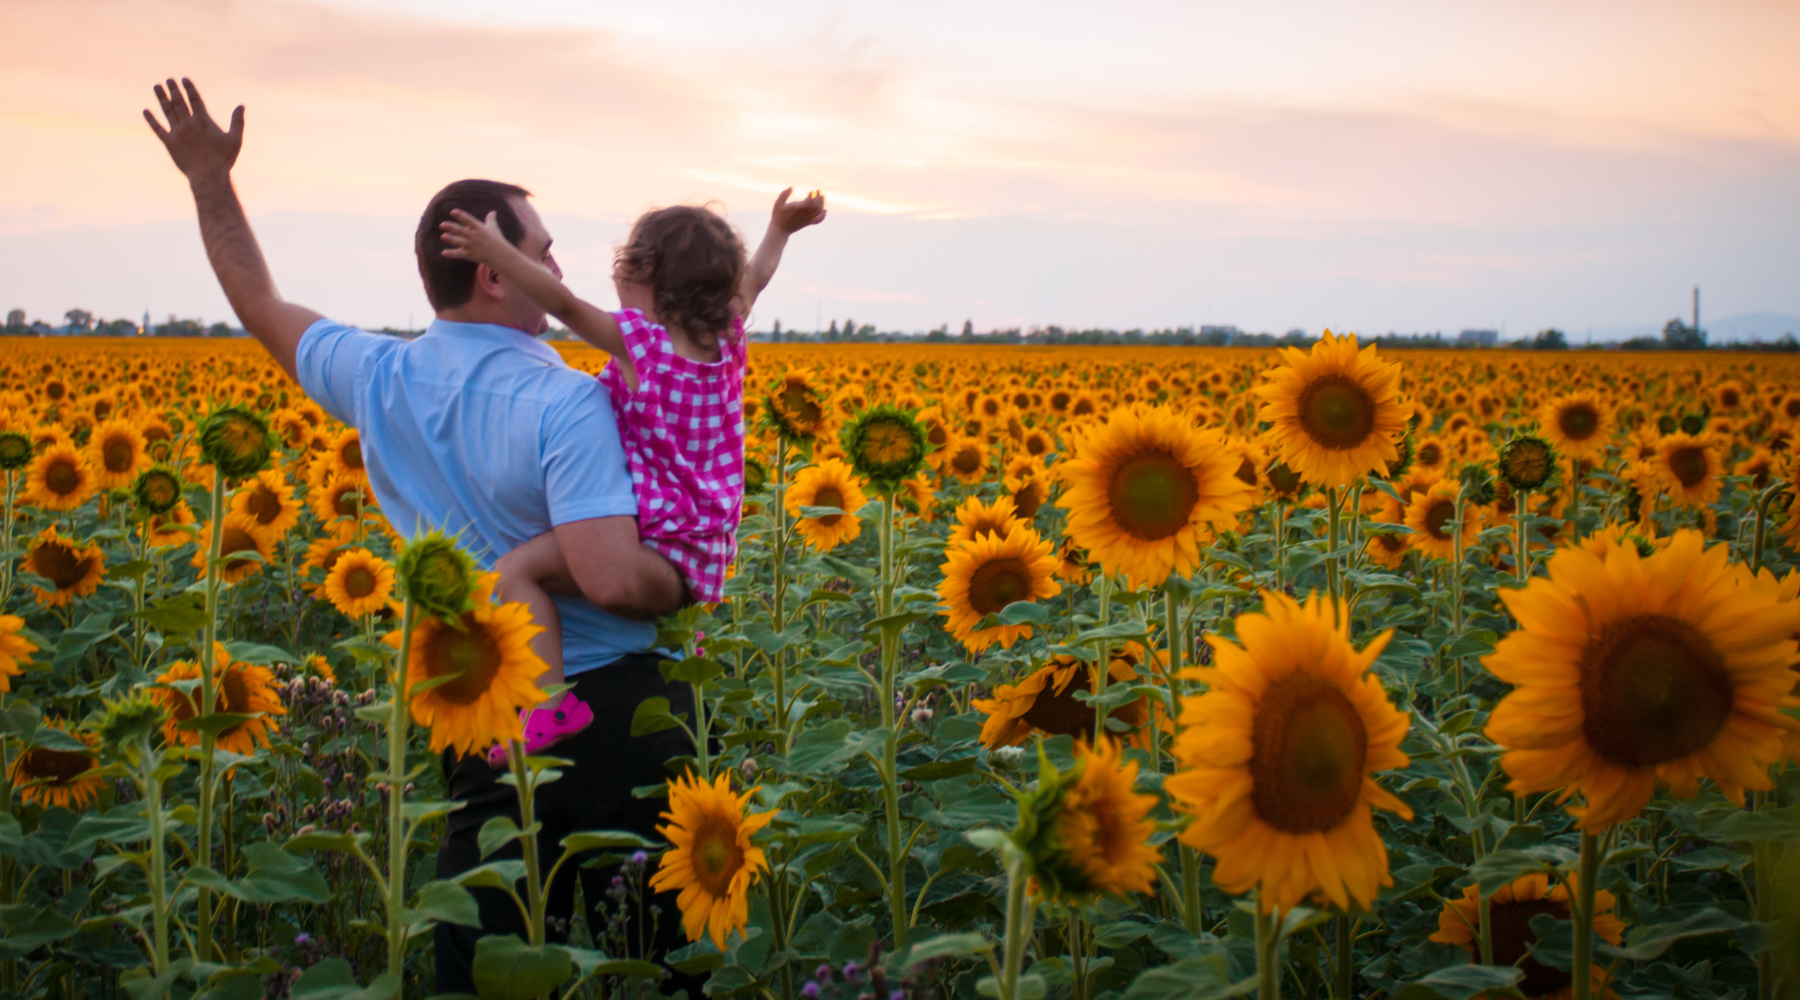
(693, 262)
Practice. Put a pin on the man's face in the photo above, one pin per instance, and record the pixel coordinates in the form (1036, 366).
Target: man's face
(526, 314)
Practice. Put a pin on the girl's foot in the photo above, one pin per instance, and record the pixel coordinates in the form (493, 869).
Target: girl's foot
(546, 725)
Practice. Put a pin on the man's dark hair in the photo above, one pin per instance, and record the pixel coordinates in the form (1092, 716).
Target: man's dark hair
(450, 282)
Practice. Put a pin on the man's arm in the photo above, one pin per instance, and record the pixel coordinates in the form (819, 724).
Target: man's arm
(614, 571)
(206, 153)
(786, 219)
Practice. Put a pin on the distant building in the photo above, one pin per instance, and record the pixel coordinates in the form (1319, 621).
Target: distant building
(1478, 338)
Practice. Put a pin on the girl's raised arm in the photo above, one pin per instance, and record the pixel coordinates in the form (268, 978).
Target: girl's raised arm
(484, 243)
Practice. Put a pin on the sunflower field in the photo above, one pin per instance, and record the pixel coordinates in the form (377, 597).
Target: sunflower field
(1086, 673)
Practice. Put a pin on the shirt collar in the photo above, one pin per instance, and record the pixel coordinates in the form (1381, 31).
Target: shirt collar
(496, 335)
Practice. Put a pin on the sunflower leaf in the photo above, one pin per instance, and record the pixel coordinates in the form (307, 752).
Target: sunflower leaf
(948, 946)
(178, 615)
(1646, 943)
(1500, 868)
(259, 655)
(652, 716)
(1461, 982)
(507, 968)
(1025, 613)
(217, 721)
(499, 831)
(608, 840)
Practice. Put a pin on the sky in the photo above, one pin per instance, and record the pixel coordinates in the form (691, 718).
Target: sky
(1387, 165)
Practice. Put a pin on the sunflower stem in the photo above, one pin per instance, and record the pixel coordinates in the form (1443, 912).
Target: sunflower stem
(1581, 961)
(1332, 583)
(534, 886)
(1456, 581)
(1521, 554)
(1346, 944)
(1192, 913)
(398, 835)
(1485, 925)
(1102, 659)
(1762, 520)
(208, 736)
(1018, 924)
(890, 747)
(1172, 633)
(778, 612)
(158, 860)
(6, 537)
(1268, 954)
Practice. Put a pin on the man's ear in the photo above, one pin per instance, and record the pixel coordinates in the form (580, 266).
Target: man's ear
(487, 281)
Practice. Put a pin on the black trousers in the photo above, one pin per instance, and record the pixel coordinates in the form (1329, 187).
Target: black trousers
(594, 794)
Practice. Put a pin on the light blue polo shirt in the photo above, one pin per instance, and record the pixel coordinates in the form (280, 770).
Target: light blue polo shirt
(481, 430)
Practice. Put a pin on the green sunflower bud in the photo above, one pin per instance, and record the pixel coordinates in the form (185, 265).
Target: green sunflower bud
(130, 719)
(756, 476)
(157, 490)
(236, 441)
(886, 446)
(1692, 423)
(1478, 485)
(1527, 462)
(438, 577)
(15, 450)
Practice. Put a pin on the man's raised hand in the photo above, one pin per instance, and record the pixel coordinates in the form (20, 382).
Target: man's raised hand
(199, 147)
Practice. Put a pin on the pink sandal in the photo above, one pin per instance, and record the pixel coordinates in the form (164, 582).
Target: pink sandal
(546, 724)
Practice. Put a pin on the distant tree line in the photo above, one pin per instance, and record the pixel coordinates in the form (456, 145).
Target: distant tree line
(1676, 336)
(82, 323)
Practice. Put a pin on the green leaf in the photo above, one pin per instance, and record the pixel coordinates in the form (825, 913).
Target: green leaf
(499, 831)
(692, 670)
(823, 750)
(1732, 825)
(142, 987)
(326, 840)
(1025, 613)
(937, 770)
(946, 946)
(273, 876)
(608, 840)
(806, 511)
(1461, 982)
(1501, 867)
(258, 655)
(445, 903)
(1120, 934)
(1645, 943)
(1198, 978)
(507, 968)
(332, 980)
(652, 716)
(695, 959)
(183, 614)
(217, 721)
(897, 620)
(75, 642)
(503, 874)
(598, 963)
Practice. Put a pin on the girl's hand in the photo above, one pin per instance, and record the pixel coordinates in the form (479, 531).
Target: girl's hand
(791, 217)
(467, 239)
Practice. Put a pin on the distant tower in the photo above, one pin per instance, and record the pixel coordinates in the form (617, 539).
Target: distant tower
(145, 332)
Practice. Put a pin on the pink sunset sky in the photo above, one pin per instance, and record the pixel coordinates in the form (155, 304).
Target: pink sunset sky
(1366, 166)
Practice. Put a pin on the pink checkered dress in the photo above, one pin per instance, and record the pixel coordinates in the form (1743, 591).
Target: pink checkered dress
(683, 432)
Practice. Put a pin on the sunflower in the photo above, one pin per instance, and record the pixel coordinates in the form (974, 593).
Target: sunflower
(240, 536)
(1277, 760)
(1336, 411)
(1638, 671)
(1527, 462)
(831, 483)
(796, 406)
(917, 497)
(156, 490)
(1579, 424)
(345, 456)
(268, 499)
(1087, 832)
(67, 778)
(236, 441)
(1760, 467)
(337, 501)
(116, 453)
(1511, 908)
(975, 519)
(1147, 489)
(983, 576)
(1432, 517)
(1044, 702)
(321, 666)
(489, 652)
(1027, 483)
(1689, 467)
(238, 688)
(162, 530)
(15, 650)
(1072, 562)
(360, 583)
(60, 479)
(73, 569)
(966, 458)
(1432, 455)
(886, 446)
(712, 862)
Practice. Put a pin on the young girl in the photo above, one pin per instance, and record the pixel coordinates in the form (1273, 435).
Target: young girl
(676, 378)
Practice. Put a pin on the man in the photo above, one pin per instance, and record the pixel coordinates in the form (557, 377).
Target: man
(480, 429)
